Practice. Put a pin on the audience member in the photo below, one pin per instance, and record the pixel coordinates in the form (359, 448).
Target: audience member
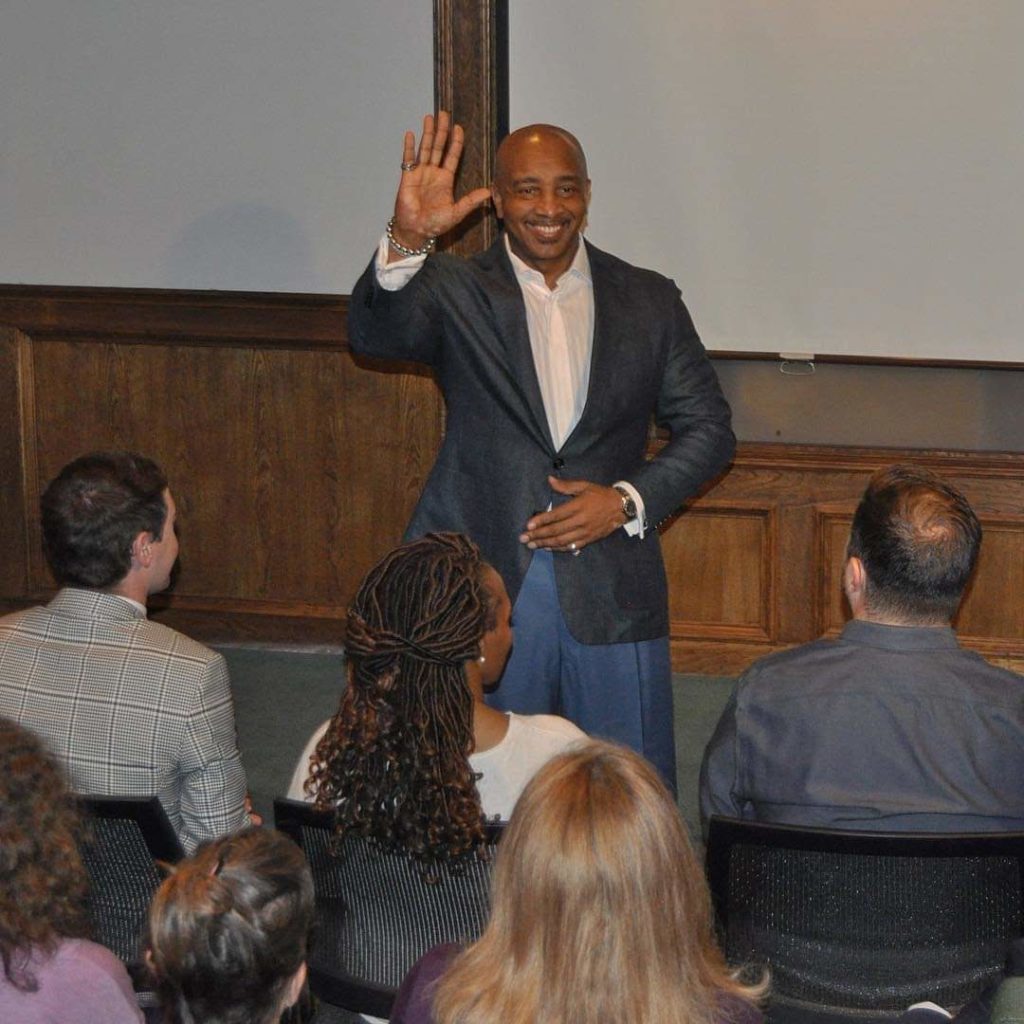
(599, 913)
(893, 725)
(228, 931)
(51, 971)
(130, 707)
(414, 758)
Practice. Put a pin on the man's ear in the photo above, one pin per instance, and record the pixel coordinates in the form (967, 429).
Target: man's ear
(853, 573)
(854, 582)
(142, 549)
(496, 199)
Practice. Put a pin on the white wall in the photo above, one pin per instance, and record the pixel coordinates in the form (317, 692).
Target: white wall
(229, 144)
(826, 176)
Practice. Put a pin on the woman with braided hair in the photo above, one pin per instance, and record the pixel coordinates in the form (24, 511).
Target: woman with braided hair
(228, 931)
(414, 759)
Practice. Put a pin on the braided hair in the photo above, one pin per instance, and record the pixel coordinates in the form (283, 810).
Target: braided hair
(394, 762)
(228, 929)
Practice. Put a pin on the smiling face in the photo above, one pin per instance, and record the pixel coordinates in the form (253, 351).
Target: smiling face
(541, 192)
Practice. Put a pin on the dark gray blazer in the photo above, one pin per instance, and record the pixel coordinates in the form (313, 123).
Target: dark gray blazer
(466, 319)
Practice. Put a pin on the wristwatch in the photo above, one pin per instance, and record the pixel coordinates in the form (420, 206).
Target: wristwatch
(628, 504)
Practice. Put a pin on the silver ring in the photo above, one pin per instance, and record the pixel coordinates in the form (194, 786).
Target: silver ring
(410, 165)
(575, 550)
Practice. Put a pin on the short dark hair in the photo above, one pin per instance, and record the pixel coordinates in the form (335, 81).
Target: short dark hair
(918, 538)
(229, 928)
(92, 511)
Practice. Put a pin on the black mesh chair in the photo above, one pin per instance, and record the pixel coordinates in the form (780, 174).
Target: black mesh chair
(125, 836)
(375, 915)
(859, 925)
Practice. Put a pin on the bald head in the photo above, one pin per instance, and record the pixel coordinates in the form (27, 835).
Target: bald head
(517, 144)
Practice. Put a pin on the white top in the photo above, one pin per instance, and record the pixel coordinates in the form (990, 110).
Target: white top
(504, 770)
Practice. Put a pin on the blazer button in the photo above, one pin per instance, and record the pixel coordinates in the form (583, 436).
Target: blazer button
(558, 463)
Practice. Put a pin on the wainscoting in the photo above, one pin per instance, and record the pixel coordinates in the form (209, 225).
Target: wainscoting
(756, 562)
(295, 466)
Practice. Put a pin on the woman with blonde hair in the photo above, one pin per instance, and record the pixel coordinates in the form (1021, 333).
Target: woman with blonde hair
(599, 913)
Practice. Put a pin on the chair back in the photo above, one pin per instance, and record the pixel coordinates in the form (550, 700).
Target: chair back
(375, 914)
(126, 836)
(851, 921)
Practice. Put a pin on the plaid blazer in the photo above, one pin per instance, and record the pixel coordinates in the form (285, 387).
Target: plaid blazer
(130, 707)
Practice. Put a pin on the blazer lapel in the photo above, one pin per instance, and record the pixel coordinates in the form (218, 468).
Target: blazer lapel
(506, 299)
(608, 329)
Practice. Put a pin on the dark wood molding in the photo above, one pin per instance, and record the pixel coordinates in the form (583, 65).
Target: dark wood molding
(470, 81)
(852, 360)
(273, 319)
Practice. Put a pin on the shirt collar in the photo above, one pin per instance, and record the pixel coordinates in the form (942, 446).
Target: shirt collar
(579, 269)
(900, 638)
(78, 601)
(138, 606)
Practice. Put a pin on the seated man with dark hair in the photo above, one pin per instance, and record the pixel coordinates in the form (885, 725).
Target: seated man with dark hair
(893, 726)
(130, 707)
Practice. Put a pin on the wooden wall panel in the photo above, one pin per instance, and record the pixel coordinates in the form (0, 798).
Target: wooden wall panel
(296, 466)
(14, 544)
(833, 531)
(720, 559)
(992, 616)
(812, 493)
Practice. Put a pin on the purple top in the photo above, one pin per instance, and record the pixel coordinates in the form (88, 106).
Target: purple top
(82, 983)
(416, 994)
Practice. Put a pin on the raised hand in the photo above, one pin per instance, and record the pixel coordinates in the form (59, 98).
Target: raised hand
(425, 206)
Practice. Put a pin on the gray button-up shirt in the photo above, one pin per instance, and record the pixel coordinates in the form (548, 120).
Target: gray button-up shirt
(885, 728)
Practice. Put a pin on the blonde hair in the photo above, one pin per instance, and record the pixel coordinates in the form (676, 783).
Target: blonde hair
(599, 908)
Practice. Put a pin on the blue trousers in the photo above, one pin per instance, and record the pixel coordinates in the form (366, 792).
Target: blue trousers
(620, 692)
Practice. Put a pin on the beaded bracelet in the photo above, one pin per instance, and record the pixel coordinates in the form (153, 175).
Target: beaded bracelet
(426, 249)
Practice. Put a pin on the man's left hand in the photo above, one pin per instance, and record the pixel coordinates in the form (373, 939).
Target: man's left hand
(592, 513)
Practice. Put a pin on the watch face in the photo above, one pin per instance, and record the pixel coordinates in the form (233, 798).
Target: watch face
(628, 504)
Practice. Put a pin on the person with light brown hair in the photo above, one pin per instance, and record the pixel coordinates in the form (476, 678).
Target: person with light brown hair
(228, 931)
(599, 912)
(51, 970)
